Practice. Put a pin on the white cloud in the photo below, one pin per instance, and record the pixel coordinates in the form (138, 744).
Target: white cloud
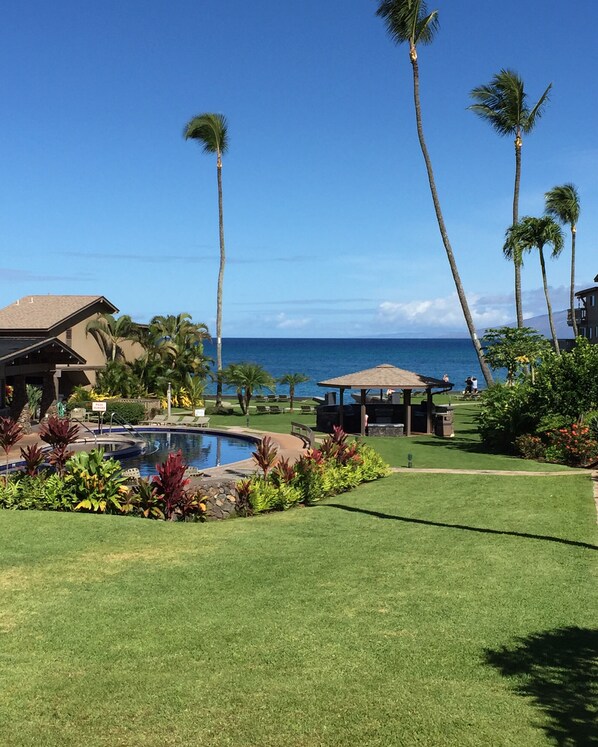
(443, 313)
(282, 321)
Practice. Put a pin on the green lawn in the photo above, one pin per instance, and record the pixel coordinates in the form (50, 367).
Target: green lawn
(462, 452)
(418, 610)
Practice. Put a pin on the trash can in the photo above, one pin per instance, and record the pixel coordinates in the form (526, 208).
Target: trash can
(443, 425)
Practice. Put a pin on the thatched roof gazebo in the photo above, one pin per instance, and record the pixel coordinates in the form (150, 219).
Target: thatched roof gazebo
(384, 377)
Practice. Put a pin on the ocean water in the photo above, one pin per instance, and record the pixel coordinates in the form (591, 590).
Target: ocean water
(321, 359)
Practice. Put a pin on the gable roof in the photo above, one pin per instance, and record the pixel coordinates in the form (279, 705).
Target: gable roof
(36, 349)
(42, 313)
(384, 376)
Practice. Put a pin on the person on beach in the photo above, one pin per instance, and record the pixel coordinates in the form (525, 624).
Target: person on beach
(474, 385)
(468, 385)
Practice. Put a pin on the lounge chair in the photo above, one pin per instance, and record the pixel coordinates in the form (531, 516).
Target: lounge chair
(283, 398)
(275, 410)
(187, 420)
(192, 472)
(261, 409)
(272, 398)
(158, 419)
(79, 414)
(175, 419)
(131, 475)
(306, 409)
(200, 421)
(260, 398)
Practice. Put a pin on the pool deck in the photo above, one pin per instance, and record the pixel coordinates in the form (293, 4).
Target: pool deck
(289, 446)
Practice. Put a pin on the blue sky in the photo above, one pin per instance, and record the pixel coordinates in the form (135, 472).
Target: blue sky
(329, 224)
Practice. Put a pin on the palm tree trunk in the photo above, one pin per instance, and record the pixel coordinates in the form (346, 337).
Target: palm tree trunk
(517, 260)
(439, 217)
(220, 281)
(572, 296)
(548, 304)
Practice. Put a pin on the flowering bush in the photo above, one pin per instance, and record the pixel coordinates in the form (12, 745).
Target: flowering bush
(530, 447)
(573, 445)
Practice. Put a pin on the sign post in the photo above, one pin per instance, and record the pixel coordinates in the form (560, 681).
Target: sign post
(99, 407)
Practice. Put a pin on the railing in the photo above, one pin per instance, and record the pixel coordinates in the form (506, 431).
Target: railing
(81, 424)
(131, 430)
(580, 316)
(304, 432)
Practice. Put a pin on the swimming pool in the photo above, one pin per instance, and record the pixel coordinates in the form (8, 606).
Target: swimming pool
(199, 449)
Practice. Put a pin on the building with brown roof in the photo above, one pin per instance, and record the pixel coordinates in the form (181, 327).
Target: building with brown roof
(43, 341)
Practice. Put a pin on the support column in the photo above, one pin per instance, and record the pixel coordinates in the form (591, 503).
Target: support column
(429, 403)
(19, 408)
(49, 395)
(341, 419)
(363, 412)
(407, 399)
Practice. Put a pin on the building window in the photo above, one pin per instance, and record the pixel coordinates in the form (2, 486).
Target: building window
(590, 333)
(592, 300)
(69, 336)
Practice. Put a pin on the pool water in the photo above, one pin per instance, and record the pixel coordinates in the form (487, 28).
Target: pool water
(203, 450)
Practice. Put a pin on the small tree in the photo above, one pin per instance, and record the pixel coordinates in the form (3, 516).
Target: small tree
(11, 433)
(516, 349)
(247, 378)
(292, 380)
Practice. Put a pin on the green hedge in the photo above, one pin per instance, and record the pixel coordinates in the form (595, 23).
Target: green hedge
(131, 412)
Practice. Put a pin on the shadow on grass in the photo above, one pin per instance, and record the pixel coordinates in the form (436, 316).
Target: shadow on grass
(456, 444)
(558, 670)
(463, 527)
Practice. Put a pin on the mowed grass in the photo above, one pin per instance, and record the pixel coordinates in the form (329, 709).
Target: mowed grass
(387, 616)
(464, 451)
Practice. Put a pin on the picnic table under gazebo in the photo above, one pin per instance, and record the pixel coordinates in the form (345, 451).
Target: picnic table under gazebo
(394, 404)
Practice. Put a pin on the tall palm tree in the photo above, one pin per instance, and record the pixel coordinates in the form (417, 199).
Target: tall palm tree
(502, 103)
(536, 233)
(563, 204)
(211, 131)
(408, 21)
(109, 331)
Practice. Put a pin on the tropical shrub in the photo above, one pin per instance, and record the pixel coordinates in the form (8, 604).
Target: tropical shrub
(96, 483)
(265, 454)
(505, 414)
(574, 446)
(42, 492)
(529, 446)
(34, 399)
(34, 457)
(170, 485)
(11, 433)
(338, 465)
(60, 434)
(143, 500)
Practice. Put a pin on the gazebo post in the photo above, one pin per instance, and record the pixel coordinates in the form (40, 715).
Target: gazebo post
(429, 424)
(340, 411)
(363, 413)
(407, 398)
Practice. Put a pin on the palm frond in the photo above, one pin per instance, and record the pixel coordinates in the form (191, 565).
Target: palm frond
(408, 21)
(210, 130)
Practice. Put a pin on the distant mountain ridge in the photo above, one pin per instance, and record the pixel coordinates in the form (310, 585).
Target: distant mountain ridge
(540, 323)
